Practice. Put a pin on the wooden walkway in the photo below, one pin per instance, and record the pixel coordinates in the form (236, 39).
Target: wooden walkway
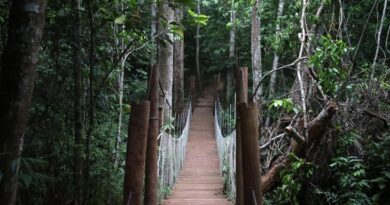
(200, 182)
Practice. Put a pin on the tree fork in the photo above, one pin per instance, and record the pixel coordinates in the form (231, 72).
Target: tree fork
(136, 151)
(155, 122)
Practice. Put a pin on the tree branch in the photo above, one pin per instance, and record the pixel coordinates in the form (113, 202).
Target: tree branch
(276, 69)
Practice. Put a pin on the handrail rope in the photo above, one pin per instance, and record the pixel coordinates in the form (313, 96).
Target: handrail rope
(130, 197)
(254, 197)
(172, 154)
(163, 92)
(226, 152)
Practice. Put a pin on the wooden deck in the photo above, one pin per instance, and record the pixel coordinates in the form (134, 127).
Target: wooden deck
(200, 182)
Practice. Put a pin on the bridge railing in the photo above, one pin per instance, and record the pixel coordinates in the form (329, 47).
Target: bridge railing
(172, 150)
(226, 144)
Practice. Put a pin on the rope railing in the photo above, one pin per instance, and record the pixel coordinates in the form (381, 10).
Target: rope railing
(226, 151)
(172, 150)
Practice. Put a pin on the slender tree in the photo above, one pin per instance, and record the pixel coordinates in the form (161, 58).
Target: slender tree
(78, 164)
(165, 65)
(92, 100)
(378, 41)
(275, 63)
(232, 52)
(198, 44)
(178, 64)
(120, 81)
(17, 75)
(256, 48)
(165, 53)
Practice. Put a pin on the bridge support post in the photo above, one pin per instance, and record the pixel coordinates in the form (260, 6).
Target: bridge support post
(249, 123)
(242, 97)
(136, 152)
(248, 175)
(155, 122)
(192, 89)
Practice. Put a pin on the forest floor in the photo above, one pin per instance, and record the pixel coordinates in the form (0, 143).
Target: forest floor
(200, 181)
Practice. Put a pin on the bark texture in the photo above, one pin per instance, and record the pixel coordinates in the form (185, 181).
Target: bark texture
(178, 83)
(256, 49)
(152, 144)
(242, 97)
(78, 167)
(232, 54)
(249, 123)
(198, 44)
(275, 62)
(136, 151)
(17, 75)
(165, 57)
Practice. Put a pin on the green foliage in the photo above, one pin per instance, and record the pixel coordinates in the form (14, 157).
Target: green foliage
(359, 181)
(327, 60)
(120, 20)
(168, 125)
(379, 160)
(164, 192)
(177, 29)
(346, 141)
(29, 177)
(292, 178)
(286, 105)
(352, 185)
(198, 19)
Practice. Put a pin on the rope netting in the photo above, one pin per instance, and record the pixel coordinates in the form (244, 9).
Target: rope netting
(172, 150)
(226, 149)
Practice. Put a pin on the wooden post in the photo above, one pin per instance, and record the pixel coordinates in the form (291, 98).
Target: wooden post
(155, 121)
(242, 97)
(136, 151)
(192, 89)
(249, 123)
(160, 116)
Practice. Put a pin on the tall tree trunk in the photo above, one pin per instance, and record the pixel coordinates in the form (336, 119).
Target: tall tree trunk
(165, 57)
(300, 66)
(121, 76)
(136, 152)
(232, 53)
(17, 75)
(78, 164)
(256, 49)
(378, 42)
(178, 83)
(92, 98)
(275, 64)
(198, 45)
(151, 169)
(153, 11)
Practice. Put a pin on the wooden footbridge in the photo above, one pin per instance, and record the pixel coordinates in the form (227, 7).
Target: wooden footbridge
(192, 162)
(197, 161)
(200, 181)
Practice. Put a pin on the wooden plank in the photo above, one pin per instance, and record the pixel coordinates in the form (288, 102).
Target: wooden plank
(200, 181)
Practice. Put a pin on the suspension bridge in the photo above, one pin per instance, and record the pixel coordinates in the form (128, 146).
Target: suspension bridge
(200, 181)
(208, 155)
(200, 158)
